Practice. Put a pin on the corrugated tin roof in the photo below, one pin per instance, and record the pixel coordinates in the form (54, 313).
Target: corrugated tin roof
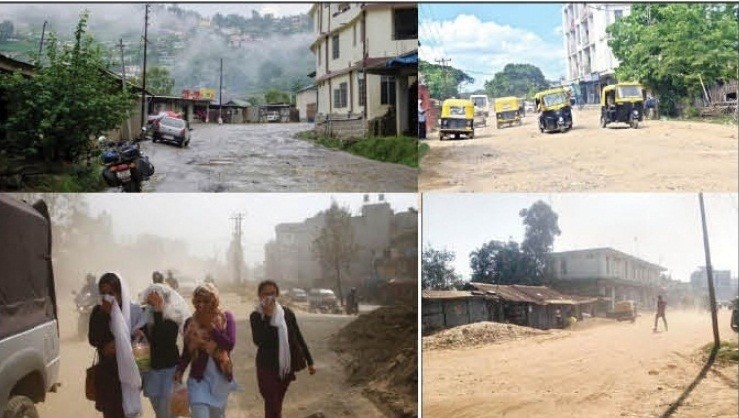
(540, 295)
(446, 294)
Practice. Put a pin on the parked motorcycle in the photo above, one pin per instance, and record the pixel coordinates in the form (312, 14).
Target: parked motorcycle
(84, 303)
(125, 166)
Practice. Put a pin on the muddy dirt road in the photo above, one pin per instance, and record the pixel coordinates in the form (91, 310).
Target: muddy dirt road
(658, 156)
(325, 392)
(617, 369)
(266, 158)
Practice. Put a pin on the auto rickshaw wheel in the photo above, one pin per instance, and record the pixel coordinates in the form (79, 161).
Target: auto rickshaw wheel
(602, 122)
(634, 124)
(456, 136)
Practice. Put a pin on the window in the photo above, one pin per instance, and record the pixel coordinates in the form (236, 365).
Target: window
(319, 54)
(387, 93)
(405, 23)
(617, 14)
(354, 35)
(362, 92)
(340, 96)
(335, 47)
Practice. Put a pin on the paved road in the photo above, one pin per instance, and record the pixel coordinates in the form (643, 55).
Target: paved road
(664, 156)
(267, 158)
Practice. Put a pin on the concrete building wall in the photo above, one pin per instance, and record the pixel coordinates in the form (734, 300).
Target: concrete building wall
(303, 99)
(380, 33)
(603, 263)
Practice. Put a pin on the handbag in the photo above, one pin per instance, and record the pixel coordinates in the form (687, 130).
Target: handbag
(90, 375)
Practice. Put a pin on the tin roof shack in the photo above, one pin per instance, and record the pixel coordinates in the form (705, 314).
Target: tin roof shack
(188, 107)
(450, 308)
(533, 306)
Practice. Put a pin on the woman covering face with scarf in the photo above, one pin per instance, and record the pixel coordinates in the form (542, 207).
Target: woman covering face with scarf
(281, 351)
(209, 337)
(117, 381)
(166, 313)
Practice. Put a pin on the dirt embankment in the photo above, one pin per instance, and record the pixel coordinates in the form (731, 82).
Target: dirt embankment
(379, 350)
(480, 333)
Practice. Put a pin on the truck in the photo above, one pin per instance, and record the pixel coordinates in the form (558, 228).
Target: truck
(29, 326)
(482, 108)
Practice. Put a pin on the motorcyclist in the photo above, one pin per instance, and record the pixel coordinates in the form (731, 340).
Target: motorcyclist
(90, 287)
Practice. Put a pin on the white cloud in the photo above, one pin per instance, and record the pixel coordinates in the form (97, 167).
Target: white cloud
(483, 48)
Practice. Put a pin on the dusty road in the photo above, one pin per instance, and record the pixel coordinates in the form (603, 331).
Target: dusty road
(267, 158)
(325, 392)
(618, 369)
(659, 156)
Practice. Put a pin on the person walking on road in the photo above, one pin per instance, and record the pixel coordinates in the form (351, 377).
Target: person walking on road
(117, 378)
(661, 305)
(421, 120)
(210, 336)
(281, 349)
(166, 313)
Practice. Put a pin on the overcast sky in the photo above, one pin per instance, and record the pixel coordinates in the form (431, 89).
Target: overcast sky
(663, 229)
(480, 39)
(277, 9)
(203, 220)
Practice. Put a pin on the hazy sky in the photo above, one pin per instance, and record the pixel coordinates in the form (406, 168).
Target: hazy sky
(661, 228)
(203, 220)
(277, 9)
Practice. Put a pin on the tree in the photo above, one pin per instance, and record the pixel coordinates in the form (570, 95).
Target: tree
(519, 80)
(443, 82)
(159, 81)
(436, 271)
(274, 96)
(669, 48)
(541, 224)
(334, 247)
(57, 113)
(498, 262)
(6, 30)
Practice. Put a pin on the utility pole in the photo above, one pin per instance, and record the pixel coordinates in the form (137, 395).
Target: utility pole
(41, 44)
(143, 73)
(709, 273)
(443, 62)
(220, 95)
(123, 84)
(238, 252)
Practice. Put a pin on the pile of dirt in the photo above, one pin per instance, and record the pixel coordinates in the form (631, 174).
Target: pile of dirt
(479, 333)
(379, 351)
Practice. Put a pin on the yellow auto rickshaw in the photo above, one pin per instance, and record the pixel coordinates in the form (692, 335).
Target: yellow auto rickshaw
(457, 118)
(555, 110)
(508, 110)
(622, 102)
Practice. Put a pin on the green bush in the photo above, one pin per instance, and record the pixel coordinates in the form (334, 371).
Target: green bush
(399, 150)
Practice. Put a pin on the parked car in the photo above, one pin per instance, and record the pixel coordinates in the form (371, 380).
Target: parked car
(323, 300)
(29, 327)
(173, 130)
(273, 116)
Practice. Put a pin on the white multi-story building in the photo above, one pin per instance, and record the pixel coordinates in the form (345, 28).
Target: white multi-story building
(607, 273)
(366, 67)
(590, 61)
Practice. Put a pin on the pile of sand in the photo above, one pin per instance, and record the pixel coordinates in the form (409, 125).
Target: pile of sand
(379, 350)
(477, 334)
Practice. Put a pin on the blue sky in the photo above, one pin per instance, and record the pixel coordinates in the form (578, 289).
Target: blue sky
(481, 38)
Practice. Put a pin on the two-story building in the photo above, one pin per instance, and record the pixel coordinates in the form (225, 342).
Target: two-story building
(607, 273)
(366, 68)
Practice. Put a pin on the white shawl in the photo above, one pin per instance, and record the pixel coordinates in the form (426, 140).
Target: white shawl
(175, 308)
(278, 321)
(121, 325)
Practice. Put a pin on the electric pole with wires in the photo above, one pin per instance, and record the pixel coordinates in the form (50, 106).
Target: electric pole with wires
(444, 69)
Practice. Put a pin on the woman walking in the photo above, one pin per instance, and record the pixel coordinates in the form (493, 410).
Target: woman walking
(210, 335)
(117, 379)
(281, 351)
(166, 313)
